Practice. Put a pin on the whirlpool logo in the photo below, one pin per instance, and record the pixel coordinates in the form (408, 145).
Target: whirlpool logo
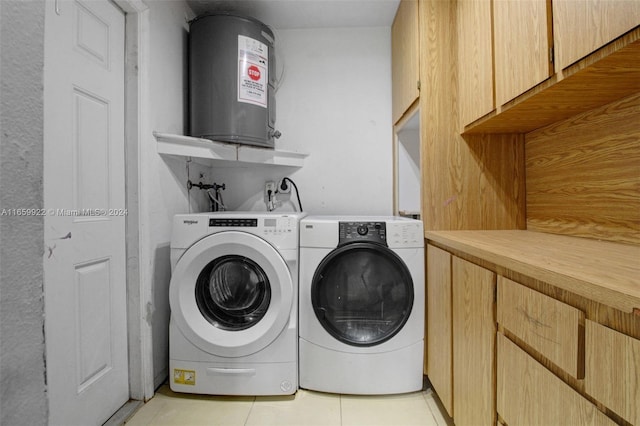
(190, 222)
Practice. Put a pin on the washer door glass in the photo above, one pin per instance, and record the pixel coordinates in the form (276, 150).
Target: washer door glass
(233, 292)
(362, 294)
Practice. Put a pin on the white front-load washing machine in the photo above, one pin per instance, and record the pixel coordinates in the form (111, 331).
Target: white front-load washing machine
(361, 304)
(233, 297)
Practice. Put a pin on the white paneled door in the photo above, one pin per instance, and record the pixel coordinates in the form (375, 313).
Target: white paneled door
(84, 198)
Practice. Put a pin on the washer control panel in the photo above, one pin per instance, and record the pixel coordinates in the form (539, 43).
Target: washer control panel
(279, 225)
(350, 232)
(274, 225)
(233, 222)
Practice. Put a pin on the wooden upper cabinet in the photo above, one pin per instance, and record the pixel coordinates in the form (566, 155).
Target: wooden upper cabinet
(522, 43)
(582, 26)
(475, 59)
(405, 51)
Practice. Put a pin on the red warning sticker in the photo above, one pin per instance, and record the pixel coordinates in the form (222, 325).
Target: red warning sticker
(254, 72)
(253, 65)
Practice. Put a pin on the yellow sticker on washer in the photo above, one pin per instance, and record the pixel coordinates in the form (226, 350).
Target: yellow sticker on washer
(184, 377)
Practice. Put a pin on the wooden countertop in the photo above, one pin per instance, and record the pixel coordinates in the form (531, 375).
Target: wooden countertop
(605, 272)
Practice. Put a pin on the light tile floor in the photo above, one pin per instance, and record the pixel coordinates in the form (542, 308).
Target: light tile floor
(305, 408)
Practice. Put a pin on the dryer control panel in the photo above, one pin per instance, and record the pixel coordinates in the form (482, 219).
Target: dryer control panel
(350, 232)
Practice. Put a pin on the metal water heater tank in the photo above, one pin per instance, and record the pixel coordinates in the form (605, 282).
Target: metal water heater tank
(232, 80)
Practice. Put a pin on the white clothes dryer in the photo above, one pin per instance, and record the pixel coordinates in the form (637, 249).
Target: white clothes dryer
(233, 297)
(361, 304)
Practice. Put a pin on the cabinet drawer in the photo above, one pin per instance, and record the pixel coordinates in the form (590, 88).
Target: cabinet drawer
(529, 394)
(547, 325)
(612, 373)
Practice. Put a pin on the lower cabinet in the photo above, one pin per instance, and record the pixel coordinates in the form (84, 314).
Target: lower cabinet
(474, 334)
(613, 370)
(499, 351)
(439, 342)
(461, 330)
(529, 394)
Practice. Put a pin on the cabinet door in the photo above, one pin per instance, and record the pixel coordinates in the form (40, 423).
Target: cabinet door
(613, 370)
(475, 59)
(474, 335)
(582, 26)
(529, 394)
(522, 45)
(405, 71)
(439, 353)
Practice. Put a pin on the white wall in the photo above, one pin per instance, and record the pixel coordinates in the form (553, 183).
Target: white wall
(335, 105)
(23, 397)
(409, 170)
(163, 191)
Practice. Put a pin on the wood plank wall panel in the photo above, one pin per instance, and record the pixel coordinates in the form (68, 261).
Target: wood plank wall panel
(583, 174)
(437, 119)
(475, 182)
(493, 181)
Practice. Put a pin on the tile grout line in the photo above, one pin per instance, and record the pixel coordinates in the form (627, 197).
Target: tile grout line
(435, 407)
(433, 415)
(253, 403)
(157, 411)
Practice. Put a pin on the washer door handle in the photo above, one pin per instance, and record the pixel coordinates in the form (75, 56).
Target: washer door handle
(231, 371)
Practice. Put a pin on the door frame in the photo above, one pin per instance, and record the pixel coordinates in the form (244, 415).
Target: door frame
(139, 291)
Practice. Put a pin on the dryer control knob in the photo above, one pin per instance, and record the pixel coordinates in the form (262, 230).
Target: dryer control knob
(362, 229)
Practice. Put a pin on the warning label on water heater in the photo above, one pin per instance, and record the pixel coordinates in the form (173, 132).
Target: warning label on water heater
(253, 66)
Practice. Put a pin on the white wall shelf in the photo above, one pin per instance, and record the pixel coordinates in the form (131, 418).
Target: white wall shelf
(208, 152)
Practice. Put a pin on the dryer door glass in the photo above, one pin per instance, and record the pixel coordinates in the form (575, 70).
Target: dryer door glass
(362, 294)
(233, 293)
